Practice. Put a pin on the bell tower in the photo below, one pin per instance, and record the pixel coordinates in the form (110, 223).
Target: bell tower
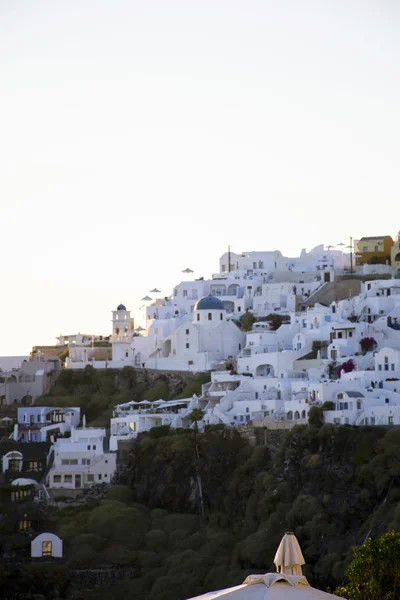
(122, 324)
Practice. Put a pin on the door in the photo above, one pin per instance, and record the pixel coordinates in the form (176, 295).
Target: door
(77, 481)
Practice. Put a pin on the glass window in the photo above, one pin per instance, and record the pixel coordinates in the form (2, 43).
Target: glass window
(90, 477)
(47, 548)
(56, 478)
(67, 478)
(209, 316)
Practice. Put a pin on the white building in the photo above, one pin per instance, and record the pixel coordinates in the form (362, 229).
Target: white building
(81, 460)
(47, 545)
(133, 418)
(31, 380)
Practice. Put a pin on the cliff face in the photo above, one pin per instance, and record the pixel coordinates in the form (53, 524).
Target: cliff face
(331, 486)
(195, 512)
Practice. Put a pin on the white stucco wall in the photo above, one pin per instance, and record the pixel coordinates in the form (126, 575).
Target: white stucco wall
(37, 545)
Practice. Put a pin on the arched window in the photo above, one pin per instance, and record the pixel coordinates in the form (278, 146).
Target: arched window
(209, 316)
(221, 316)
(198, 316)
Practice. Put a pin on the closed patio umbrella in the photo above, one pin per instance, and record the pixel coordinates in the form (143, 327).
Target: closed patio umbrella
(275, 586)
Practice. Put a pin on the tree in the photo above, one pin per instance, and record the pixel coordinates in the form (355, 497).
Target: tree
(374, 572)
(196, 415)
(331, 368)
(247, 321)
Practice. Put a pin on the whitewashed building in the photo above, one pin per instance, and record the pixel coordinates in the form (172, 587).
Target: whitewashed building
(81, 460)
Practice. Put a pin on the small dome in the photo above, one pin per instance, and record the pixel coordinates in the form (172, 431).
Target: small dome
(121, 307)
(209, 303)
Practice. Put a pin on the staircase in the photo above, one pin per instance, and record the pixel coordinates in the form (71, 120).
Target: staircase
(332, 291)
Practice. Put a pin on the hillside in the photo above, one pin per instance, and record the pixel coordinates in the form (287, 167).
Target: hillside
(96, 391)
(332, 486)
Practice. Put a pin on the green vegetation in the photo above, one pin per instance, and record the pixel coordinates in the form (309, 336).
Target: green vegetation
(96, 391)
(246, 321)
(374, 572)
(193, 512)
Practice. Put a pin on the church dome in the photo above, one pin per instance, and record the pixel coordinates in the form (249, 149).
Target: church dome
(209, 303)
(121, 307)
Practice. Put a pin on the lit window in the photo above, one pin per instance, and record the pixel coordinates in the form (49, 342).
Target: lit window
(47, 548)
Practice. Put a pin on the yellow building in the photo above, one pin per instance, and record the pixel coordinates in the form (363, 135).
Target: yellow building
(395, 253)
(376, 248)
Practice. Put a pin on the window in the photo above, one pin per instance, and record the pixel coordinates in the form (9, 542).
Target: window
(184, 293)
(175, 292)
(88, 447)
(99, 476)
(198, 316)
(126, 354)
(350, 334)
(56, 478)
(209, 316)
(187, 331)
(390, 420)
(340, 335)
(223, 268)
(221, 316)
(90, 477)
(67, 478)
(85, 461)
(239, 308)
(105, 476)
(187, 345)
(376, 249)
(365, 249)
(106, 461)
(47, 548)
(94, 447)
(24, 525)
(392, 366)
(34, 465)
(69, 461)
(117, 316)
(254, 265)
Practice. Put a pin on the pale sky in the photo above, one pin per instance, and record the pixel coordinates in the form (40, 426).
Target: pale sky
(140, 137)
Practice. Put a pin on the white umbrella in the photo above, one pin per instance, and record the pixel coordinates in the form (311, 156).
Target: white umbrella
(155, 291)
(275, 586)
(6, 419)
(146, 299)
(288, 558)
(187, 271)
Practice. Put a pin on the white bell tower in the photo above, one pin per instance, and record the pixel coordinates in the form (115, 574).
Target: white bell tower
(122, 324)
